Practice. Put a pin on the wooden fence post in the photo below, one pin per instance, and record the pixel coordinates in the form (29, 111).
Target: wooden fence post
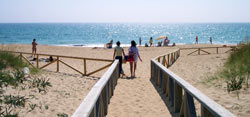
(57, 64)
(37, 61)
(85, 66)
(20, 57)
(205, 112)
(177, 97)
(217, 50)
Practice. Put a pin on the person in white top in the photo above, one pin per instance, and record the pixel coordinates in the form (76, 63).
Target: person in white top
(118, 51)
(133, 56)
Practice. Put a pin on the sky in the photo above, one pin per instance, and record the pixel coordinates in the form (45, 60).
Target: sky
(124, 11)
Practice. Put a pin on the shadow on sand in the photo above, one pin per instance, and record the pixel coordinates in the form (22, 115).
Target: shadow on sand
(165, 100)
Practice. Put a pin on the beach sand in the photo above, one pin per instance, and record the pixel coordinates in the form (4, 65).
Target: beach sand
(132, 97)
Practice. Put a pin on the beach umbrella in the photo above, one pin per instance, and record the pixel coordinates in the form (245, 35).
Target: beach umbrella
(161, 37)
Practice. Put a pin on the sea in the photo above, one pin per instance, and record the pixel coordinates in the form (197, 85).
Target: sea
(97, 34)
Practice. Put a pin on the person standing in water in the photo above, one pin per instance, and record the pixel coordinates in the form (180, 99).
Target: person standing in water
(118, 51)
(133, 55)
(34, 44)
(210, 40)
(196, 40)
(140, 41)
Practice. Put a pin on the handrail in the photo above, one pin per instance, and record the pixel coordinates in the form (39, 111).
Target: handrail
(61, 56)
(96, 102)
(173, 87)
(58, 60)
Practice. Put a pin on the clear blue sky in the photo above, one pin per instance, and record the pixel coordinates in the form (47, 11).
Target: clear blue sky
(152, 11)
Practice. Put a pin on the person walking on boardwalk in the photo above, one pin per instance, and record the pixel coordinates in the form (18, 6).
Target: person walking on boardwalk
(196, 40)
(118, 51)
(133, 56)
(34, 44)
(150, 41)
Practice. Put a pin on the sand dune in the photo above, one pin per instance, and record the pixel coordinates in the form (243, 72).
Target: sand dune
(132, 97)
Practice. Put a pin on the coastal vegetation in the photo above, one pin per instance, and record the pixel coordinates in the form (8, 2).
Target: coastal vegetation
(13, 81)
(236, 70)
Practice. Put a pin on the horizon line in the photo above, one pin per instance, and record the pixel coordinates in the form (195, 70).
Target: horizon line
(127, 22)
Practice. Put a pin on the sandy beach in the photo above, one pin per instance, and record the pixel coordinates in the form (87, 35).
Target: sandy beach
(132, 97)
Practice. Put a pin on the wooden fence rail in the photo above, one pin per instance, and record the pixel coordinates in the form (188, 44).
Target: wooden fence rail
(180, 93)
(58, 60)
(201, 49)
(96, 102)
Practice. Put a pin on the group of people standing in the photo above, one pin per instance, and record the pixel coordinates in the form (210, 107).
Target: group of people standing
(132, 57)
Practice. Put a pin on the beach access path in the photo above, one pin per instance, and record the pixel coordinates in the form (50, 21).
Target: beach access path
(138, 96)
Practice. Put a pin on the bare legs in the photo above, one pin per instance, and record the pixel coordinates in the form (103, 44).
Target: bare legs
(132, 68)
(33, 52)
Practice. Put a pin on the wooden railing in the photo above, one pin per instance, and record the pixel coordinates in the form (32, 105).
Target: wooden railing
(96, 102)
(180, 93)
(201, 49)
(58, 60)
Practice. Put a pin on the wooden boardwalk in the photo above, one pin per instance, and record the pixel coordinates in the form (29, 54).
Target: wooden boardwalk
(136, 98)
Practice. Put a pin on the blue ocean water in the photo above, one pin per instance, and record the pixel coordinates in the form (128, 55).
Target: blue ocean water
(99, 33)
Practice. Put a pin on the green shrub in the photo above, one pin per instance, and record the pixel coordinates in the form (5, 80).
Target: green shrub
(10, 60)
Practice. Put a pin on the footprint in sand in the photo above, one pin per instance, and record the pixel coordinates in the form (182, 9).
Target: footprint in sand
(247, 111)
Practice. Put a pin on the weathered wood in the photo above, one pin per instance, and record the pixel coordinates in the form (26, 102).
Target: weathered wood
(177, 97)
(48, 64)
(217, 50)
(85, 66)
(106, 66)
(37, 61)
(192, 92)
(190, 105)
(205, 51)
(205, 112)
(28, 61)
(206, 47)
(57, 64)
(71, 67)
(193, 52)
(94, 59)
(88, 106)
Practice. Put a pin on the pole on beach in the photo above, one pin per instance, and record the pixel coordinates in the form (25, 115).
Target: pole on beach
(37, 61)
(57, 63)
(85, 67)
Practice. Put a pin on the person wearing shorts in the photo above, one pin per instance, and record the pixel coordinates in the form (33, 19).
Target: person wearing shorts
(133, 57)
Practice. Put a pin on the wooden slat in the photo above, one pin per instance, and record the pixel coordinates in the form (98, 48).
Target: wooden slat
(94, 59)
(71, 67)
(37, 61)
(48, 64)
(88, 104)
(177, 97)
(106, 66)
(193, 52)
(212, 106)
(57, 64)
(205, 51)
(85, 66)
(28, 61)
